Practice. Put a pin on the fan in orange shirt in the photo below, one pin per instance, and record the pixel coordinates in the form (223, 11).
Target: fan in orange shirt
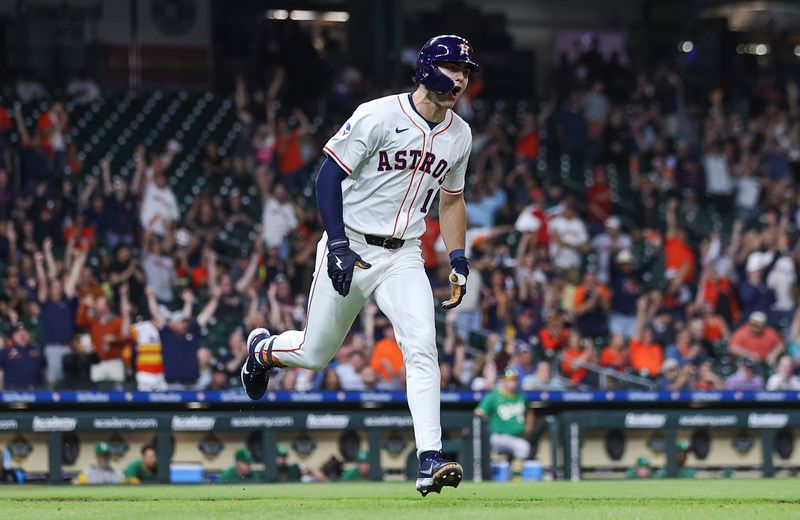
(756, 341)
(615, 355)
(677, 253)
(553, 335)
(576, 351)
(387, 359)
(428, 242)
(646, 355)
(714, 326)
(527, 145)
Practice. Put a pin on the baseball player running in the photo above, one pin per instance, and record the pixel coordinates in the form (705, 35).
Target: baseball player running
(380, 177)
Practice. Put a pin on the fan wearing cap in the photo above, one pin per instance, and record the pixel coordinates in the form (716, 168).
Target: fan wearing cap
(22, 363)
(242, 470)
(754, 293)
(510, 419)
(180, 337)
(102, 472)
(756, 341)
(675, 377)
(627, 285)
(607, 245)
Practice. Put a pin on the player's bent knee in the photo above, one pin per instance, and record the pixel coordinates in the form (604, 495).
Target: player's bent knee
(318, 351)
(522, 449)
(317, 364)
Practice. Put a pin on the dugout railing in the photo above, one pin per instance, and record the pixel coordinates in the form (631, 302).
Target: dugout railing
(471, 447)
(764, 423)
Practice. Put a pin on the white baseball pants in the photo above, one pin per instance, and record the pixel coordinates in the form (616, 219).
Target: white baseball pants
(402, 291)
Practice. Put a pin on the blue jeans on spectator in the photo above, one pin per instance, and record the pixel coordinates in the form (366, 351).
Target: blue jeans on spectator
(622, 324)
(55, 354)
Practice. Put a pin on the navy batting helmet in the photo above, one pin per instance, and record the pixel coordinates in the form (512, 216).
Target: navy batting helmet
(446, 47)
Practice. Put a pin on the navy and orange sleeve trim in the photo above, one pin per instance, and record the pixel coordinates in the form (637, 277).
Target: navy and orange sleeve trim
(338, 160)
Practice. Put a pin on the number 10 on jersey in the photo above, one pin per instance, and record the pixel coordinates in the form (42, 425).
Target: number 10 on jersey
(428, 197)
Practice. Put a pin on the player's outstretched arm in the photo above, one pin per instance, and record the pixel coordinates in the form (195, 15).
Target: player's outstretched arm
(453, 223)
(341, 259)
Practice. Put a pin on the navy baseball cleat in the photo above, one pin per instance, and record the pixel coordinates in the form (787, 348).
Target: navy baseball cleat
(255, 376)
(435, 473)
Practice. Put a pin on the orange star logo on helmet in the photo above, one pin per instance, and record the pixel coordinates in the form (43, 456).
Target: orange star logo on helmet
(464, 48)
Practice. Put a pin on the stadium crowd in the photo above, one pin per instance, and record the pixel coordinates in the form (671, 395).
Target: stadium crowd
(618, 237)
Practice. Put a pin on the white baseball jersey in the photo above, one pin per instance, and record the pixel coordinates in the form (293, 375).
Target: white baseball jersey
(395, 163)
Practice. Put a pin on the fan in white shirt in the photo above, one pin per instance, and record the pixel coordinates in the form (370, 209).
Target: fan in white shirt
(568, 236)
(783, 379)
(607, 244)
(278, 218)
(159, 204)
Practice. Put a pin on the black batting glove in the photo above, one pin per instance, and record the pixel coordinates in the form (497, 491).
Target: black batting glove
(458, 278)
(341, 262)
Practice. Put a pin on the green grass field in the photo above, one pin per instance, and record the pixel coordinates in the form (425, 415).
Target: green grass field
(728, 499)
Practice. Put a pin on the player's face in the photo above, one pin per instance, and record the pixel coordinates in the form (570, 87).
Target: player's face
(459, 73)
(103, 461)
(149, 459)
(243, 468)
(511, 384)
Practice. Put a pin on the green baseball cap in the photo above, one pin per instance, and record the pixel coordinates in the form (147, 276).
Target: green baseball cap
(244, 455)
(281, 450)
(682, 445)
(642, 462)
(102, 448)
(362, 456)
